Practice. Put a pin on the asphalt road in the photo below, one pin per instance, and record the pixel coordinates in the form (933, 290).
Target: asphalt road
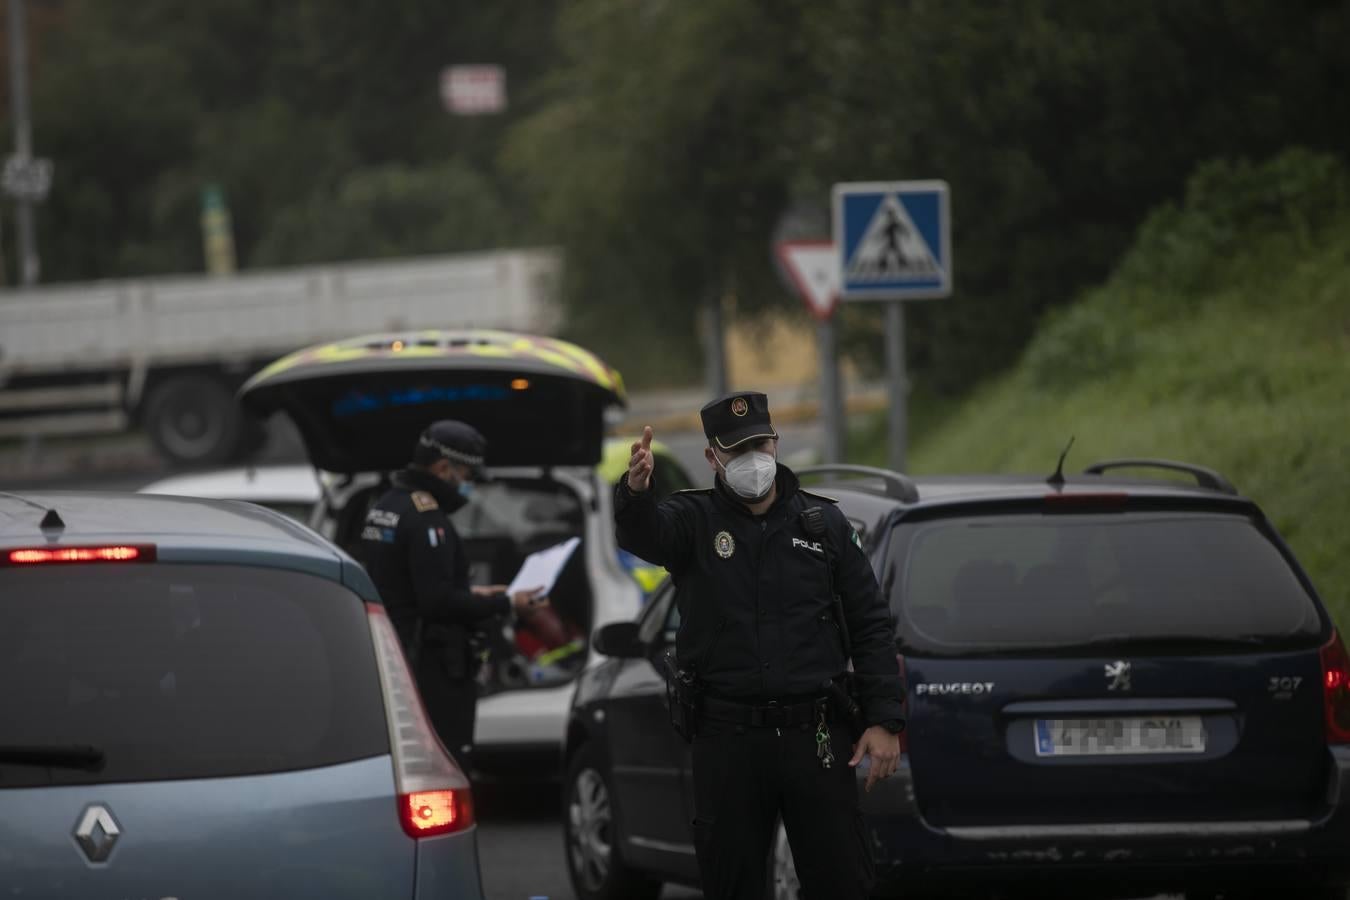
(520, 844)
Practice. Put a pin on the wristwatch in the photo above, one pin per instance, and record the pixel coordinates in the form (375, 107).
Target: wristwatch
(894, 726)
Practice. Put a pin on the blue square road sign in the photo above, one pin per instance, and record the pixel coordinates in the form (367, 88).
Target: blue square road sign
(893, 240)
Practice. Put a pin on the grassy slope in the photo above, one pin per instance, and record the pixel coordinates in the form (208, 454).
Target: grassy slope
(1249, 374)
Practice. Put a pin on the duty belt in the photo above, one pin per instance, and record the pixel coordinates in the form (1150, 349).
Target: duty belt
(772, 715)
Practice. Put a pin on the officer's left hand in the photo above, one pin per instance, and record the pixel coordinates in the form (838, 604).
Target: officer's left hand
(883, 747)
(487, 590)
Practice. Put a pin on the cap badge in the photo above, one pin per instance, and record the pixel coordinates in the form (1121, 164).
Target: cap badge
(739, 408)
(724, 544)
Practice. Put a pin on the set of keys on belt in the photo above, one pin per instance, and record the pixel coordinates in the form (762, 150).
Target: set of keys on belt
(824, 752)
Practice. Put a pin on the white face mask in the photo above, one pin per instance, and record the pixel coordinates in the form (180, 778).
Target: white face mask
(751, 475)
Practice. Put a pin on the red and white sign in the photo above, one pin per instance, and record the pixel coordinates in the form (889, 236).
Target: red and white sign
(813, 267)
(473, 90)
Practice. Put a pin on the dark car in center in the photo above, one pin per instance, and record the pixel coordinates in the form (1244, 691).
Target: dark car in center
(1115, 686)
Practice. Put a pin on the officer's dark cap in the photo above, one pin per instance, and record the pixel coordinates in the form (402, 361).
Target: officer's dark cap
(455, 441)
(736, 418)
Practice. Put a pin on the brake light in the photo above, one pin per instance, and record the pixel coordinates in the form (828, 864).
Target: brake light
(433, 793)
(1336, 690)
(30, 556)
(436, 812)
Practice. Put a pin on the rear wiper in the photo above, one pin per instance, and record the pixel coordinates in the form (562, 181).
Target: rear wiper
(62, 756)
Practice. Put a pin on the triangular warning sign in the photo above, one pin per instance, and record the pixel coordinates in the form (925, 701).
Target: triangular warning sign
(891, 248)
(813, 267)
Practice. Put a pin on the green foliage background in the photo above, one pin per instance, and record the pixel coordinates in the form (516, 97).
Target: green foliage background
(1222, 338)
(664, 145)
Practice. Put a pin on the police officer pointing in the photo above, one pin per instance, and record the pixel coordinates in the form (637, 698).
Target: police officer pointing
(755, 560)
(417, 562)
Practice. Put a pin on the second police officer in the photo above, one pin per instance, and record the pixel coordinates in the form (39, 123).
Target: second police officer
(418, 563)
(755, 560)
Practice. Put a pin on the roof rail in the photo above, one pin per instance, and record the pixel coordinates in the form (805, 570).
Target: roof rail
(899, 487)
(1206, 478)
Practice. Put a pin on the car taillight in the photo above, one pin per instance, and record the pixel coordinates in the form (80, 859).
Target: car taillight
(1336, 690)
(106, 553)
(433, 793)
(904, 704)
(436, 812)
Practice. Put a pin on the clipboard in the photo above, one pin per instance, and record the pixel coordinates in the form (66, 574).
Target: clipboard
(541, 569)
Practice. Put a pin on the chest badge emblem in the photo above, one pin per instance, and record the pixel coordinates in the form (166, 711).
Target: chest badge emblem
(724, 544)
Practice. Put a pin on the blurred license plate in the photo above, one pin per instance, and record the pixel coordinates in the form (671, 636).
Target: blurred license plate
(1129, 736)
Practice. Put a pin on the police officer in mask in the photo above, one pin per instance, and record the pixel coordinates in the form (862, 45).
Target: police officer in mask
(417, 562)
(755, 560)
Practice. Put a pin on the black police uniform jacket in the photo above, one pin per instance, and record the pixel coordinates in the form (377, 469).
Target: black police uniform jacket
(756, 622)
(416, 559)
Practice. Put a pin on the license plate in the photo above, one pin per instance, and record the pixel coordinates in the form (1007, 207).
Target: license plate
(1131, 736)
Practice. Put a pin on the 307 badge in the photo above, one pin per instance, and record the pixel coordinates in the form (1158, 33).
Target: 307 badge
(724, 544)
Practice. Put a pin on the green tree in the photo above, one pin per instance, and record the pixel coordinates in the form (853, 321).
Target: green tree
(658, 160)
(676, 135)
(286, 106)
(391, 210)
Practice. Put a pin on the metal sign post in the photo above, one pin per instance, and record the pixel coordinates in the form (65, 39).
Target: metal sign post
(26, 179)
(813, 268)
(893, 243)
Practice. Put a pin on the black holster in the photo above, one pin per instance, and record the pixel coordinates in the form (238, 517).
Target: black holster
(684, 697)
(844, 702)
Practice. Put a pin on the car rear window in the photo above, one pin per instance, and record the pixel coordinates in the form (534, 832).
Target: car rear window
(1012, 582)
(184, 671)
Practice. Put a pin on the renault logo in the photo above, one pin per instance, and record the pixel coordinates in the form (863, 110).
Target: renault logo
(97, 833)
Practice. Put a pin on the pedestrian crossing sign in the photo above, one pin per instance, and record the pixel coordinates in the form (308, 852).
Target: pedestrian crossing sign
(893, 240)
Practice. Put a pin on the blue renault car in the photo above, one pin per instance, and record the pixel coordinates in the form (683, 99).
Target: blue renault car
(1116, 686)
(206, 700)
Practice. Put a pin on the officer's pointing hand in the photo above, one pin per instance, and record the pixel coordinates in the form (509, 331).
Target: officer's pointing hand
(641, 463)
(883, 747)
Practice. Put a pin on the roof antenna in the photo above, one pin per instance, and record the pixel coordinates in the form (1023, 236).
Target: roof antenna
(1057, 480)
(52, 521)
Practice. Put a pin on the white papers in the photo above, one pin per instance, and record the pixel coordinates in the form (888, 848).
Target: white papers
(541, 569)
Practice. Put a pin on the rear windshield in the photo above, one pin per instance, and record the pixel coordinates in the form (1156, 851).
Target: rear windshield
(1014, 582)
(184, 671)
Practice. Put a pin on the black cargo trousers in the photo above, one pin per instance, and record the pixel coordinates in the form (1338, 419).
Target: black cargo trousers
(745, 780)
(441, 666)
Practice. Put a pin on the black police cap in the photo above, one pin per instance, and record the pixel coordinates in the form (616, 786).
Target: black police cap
(455, 441)
(736, 418)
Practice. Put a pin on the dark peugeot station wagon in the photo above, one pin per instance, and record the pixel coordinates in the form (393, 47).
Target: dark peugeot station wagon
(206, 700)
(1115, 686)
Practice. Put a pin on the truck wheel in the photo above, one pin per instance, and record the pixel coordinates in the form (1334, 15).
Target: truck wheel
(193, 420)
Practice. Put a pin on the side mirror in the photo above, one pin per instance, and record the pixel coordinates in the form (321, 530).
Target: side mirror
(620, 640)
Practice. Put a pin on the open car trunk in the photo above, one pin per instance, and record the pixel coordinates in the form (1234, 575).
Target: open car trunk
(360, 404)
